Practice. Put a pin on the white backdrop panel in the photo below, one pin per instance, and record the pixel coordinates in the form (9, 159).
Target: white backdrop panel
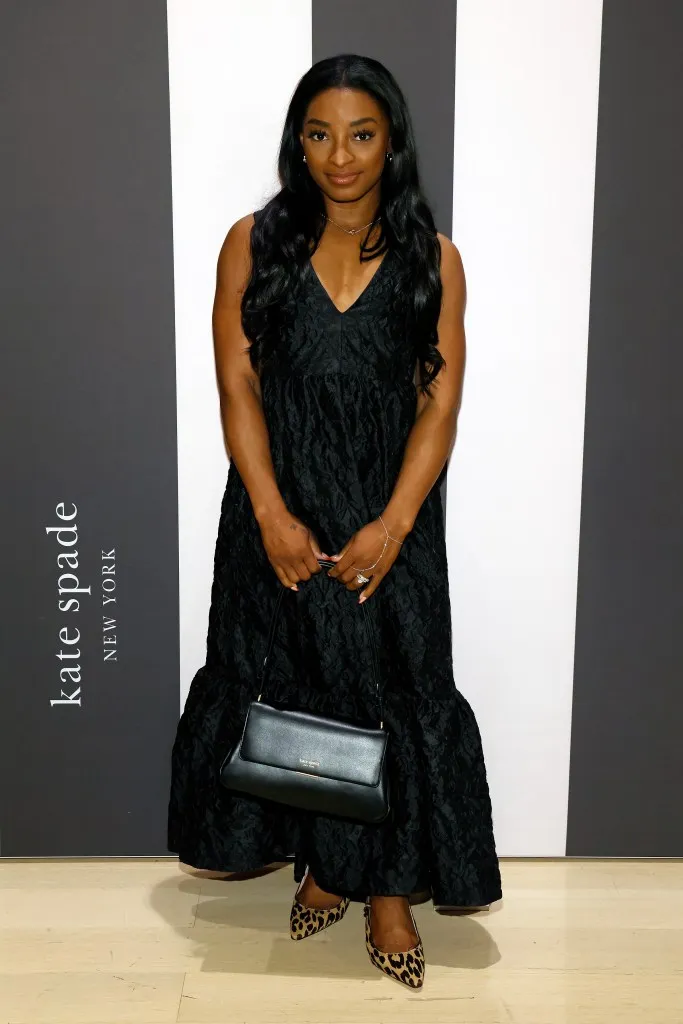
(525, 137)
(232, 70)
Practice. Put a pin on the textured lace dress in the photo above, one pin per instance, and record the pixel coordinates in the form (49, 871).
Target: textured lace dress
(339, 403)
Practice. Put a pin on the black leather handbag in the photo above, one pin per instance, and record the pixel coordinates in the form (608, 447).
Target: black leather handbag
(308, 761)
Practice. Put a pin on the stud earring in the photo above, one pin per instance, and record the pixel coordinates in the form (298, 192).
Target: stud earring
(304, 158)
(390, 157)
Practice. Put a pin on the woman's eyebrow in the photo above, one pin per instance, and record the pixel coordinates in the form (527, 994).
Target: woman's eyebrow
(326, 124)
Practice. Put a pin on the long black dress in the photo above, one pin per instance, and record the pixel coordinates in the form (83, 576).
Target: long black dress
(339, 403)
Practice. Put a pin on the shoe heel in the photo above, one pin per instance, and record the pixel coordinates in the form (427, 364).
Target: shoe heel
(306, 921)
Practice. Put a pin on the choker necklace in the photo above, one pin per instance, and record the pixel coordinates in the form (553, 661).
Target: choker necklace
(348, 231)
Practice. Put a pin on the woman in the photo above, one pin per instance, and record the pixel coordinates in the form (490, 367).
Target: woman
(339, 342)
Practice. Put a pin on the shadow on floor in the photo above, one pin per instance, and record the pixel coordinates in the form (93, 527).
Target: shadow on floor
(244, 928)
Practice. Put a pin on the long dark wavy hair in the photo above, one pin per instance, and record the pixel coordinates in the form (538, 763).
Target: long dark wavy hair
(288, 228)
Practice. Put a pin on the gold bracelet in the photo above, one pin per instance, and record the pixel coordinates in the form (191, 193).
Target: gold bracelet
(368, 567)
(395, 539)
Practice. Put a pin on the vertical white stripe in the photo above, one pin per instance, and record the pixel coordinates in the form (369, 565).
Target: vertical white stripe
(525, 138)
(232, 70)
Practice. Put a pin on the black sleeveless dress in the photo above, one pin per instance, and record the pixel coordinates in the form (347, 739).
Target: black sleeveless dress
(339, 403)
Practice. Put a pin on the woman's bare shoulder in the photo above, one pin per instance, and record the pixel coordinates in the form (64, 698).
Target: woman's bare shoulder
(239, 233)
(450, 254)
(452, 271)
(235, 255)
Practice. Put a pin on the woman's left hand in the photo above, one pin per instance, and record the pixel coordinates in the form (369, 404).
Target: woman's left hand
(362, 549)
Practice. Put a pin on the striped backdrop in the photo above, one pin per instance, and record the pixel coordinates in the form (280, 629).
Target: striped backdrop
(550, 146)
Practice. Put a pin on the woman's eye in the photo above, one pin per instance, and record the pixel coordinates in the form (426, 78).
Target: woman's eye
(363, 135)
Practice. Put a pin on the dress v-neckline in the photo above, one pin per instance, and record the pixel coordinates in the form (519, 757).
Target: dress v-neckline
(366, 289)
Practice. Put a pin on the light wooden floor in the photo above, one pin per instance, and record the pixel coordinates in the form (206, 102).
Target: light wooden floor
(572, 942)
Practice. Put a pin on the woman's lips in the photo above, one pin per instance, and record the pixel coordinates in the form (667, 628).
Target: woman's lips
(343, 179)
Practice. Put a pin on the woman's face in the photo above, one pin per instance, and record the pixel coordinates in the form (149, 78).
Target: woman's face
(345, 139)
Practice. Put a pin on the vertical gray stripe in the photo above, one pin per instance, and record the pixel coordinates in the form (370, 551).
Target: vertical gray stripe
(89, 421)
(416, 42)
(626, 754)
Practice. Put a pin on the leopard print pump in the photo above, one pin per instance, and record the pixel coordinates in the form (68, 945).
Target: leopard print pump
(305, 921)
(407, 967)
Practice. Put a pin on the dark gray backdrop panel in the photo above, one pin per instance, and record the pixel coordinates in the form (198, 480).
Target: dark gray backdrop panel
(626, 751)
(89, 418)
(416, 42)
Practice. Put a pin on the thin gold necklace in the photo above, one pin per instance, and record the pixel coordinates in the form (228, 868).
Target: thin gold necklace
(349, 231)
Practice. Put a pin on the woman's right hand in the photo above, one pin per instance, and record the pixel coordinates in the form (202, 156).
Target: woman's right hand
(292, 548)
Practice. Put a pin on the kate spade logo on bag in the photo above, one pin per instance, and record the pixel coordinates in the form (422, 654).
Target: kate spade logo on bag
(309, 764)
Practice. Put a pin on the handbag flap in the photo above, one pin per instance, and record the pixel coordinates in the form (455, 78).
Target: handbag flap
(301, 742)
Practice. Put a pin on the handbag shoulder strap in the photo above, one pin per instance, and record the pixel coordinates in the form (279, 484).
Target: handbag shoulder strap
(374, 657)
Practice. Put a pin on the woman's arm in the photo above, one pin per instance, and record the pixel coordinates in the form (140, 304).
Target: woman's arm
(429, 443)
(291, 548)
(432, 436)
